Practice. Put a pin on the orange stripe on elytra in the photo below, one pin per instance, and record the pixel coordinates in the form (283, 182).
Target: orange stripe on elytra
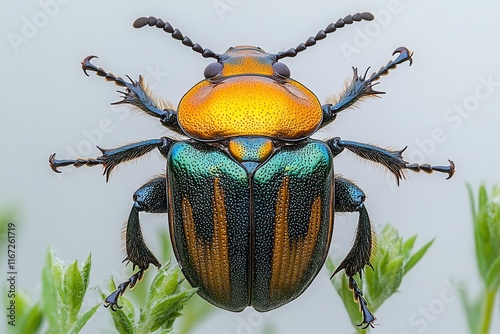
(221, 249)
(281, 240)
(190, 235)
(291, 257)
(210, 258)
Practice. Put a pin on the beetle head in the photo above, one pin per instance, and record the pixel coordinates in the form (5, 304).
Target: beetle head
(246, 60)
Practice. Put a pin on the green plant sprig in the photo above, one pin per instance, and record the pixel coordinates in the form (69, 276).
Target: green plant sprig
(392, 260)
(486, 222)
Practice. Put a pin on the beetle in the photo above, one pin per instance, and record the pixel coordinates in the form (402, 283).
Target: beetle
(250, 197)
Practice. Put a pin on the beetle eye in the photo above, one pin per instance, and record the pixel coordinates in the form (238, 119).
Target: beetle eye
(281, 69)
(212, 70)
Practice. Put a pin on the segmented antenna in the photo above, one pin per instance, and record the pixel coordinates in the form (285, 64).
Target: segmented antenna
(176, 34)
(332, 27)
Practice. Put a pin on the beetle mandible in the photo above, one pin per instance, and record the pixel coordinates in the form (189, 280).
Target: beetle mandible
(250, 196)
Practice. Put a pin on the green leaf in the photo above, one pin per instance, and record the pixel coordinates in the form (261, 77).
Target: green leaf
(165, 300)
(31, 320)
(50, 298)
(493, 276)
(63, 290)
(23, 303)
(487, 231)
(122, 323)
(479, 234)
(483, 196)
(165, 311)
(165, 283)
(77, 326)
(391, 261)
(85, 272)
(408, 246)
(415, 258)
(73, 290)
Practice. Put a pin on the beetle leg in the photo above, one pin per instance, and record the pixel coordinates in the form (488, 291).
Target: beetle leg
(151, 197)
(391, 159)
(361, 87)
(350, 198)
(111, 158)
(139, 95)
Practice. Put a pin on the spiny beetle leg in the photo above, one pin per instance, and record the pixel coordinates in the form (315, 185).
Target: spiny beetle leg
(138, 95)
(368, 317)
(111, 158)
(151, 197)
(350, 198)
(391, 159)
(361, 87)
(137, 251)
(360, 253)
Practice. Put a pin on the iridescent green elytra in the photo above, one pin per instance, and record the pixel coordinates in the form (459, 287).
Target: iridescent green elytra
(275, 224)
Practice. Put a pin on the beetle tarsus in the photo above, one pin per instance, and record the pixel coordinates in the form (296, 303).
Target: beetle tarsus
(88, 66)
(403, 55)
(55, 163)
(450, 170)
(368, 317)
(111, 301)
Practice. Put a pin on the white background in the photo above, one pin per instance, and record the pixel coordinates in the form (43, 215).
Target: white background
(49, 106)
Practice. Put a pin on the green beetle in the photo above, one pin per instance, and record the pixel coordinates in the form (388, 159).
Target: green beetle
(250, 196)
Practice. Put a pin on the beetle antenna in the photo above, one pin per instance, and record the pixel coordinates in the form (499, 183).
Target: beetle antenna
(332, 27)
(176, 34)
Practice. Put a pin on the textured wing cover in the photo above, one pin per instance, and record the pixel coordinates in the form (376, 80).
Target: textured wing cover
(256, 240)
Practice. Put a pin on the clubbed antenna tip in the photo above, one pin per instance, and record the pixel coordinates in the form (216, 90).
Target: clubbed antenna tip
(176, 34)
(332, 27)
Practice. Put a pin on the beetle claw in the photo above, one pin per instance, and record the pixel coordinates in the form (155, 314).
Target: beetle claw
(112, 300)
(53, 164)
(451, 170)
(87, 65)
(404, 55)
(368, 317)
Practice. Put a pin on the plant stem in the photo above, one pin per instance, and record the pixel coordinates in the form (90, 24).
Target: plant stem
(486, 313)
